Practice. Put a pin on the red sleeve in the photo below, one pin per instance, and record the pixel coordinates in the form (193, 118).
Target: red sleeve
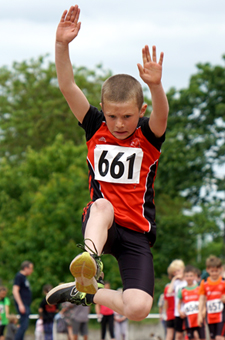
(165, 292)
(223, 293)
(202, 288)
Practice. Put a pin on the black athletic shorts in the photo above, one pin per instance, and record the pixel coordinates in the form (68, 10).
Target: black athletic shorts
(132, 251)
(2, 327)
(200, 330)
(170, 323)
(179, 324)
(216, 329)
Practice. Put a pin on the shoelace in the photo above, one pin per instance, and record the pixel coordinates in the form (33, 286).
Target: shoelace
(76, 296)
(83, 247)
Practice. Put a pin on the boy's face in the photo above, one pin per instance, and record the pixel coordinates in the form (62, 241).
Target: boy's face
(190, 277)
(122, 118)
(179, 273)
(3, 293)
(214, 273)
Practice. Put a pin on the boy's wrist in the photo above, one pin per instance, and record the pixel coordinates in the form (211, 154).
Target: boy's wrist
(61, 44)
(153, 86)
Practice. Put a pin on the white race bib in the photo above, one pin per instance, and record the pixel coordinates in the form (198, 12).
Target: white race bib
(117, 164)
(2, 309)
(214, 306)
(191, 307)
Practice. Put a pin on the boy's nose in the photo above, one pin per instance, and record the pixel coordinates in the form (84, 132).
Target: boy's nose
(119, 123)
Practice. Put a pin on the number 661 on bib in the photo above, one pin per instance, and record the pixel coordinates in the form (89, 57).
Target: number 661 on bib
(117, 164)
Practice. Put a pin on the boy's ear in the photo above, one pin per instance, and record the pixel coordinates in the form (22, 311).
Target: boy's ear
(100, 104)
(143, 110)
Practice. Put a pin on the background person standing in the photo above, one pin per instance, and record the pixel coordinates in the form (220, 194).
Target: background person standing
(106, 317)
(47, 313)
(22, 296)
(79, 317)
(4, 310)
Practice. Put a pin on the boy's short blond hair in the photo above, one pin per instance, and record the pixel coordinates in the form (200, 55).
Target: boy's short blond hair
(174, 265)
(122, 88)
(213, 262)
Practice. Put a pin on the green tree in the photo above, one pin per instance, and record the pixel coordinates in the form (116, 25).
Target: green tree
(41, 204)
(33, 110)
(195, 136)
(43, 186)
(187, 176)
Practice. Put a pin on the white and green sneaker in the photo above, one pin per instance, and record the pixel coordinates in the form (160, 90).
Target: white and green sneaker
(66, 292)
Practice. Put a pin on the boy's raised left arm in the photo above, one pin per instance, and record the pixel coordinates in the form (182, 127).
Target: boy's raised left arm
(151, 74)
(67, 30)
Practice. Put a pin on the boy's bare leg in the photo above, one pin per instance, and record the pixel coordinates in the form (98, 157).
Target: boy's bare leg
(99, 222)
(70, 332)
(179, 336)
(169, 333)
(135, 304)
(219, 337)
(86, 268)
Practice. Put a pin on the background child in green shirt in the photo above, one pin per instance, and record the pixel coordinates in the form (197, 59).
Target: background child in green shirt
(4, 310)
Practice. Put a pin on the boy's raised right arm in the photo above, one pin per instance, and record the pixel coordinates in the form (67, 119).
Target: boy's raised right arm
(67, 30)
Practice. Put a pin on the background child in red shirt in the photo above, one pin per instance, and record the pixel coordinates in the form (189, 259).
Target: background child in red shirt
(106, 317)
(212, 299)
(189, 297)
(169, 306)
(177, 282)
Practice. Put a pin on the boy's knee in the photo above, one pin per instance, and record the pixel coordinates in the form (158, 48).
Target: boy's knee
(138, 309)
(138, 313)
(102, 205)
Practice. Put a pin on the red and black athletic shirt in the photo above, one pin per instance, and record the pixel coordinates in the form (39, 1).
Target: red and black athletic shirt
(213, 290)
(123, 171)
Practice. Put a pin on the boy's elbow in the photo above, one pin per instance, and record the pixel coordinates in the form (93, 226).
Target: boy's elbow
(66, 85)
(69, 90)
(64, 89)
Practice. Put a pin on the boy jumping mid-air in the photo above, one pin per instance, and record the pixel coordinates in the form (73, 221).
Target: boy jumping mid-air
(123, 152)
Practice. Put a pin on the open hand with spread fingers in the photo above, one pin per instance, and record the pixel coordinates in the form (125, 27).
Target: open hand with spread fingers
(151, 71)
(69, 25)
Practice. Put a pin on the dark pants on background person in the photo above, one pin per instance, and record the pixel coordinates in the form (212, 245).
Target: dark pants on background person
(107, 320)
(24, 323)
(48, 330)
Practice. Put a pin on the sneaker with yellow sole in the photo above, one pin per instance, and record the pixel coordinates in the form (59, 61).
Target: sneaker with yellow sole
(86, 268)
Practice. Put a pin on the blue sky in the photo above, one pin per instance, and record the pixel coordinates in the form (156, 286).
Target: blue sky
(113, 33)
